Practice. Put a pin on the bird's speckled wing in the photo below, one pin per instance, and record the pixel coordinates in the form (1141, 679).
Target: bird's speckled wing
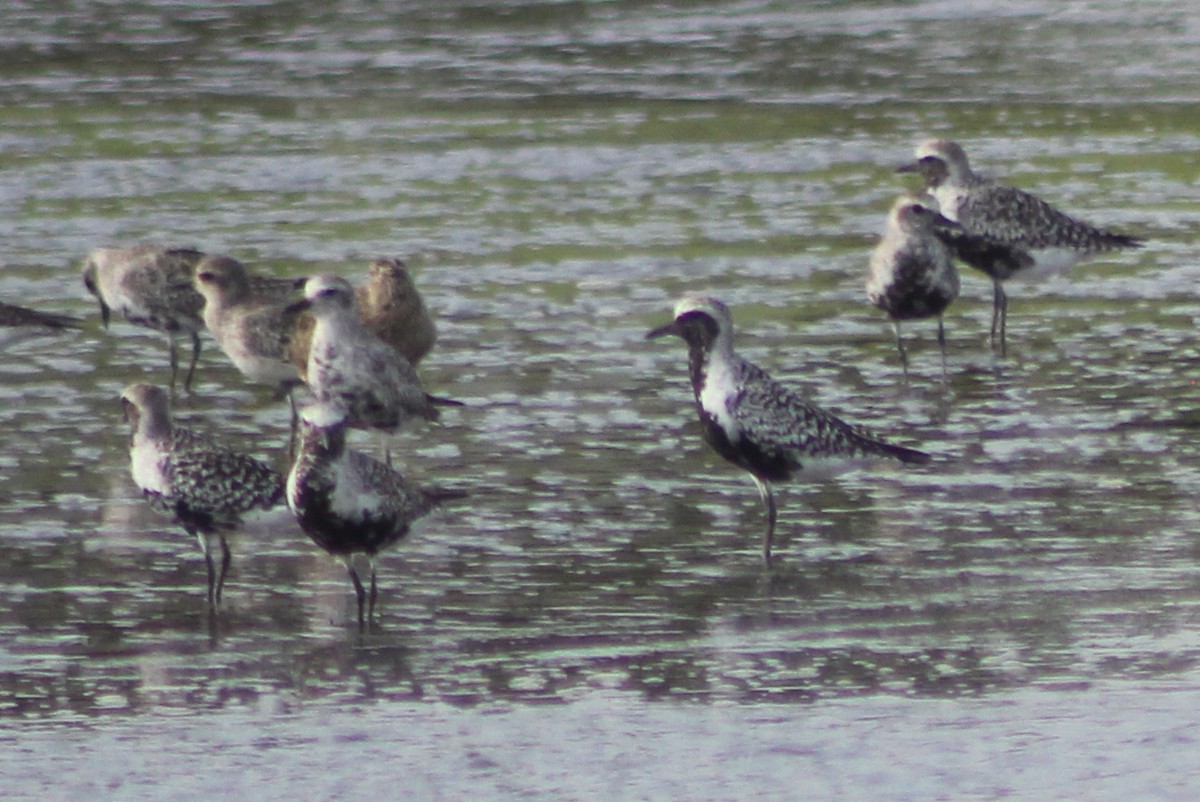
(783, 423)
(997, 259)
(210, 478)
(1012, 216)
(166, 299)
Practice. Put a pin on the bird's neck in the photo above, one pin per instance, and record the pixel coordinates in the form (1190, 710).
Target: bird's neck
(712, 370)
(338, 325)
(153, 427)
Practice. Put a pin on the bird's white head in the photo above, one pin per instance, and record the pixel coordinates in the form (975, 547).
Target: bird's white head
(939, 161)
(702, 321)
(329, 293)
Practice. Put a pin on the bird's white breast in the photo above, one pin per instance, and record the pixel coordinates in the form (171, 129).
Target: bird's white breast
(147, 463)
(949, 198)
(718, 393)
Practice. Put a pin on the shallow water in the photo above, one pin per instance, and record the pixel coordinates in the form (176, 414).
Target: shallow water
(594, 621)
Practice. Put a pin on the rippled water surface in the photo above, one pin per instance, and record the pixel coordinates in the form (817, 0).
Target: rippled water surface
(1019, 619)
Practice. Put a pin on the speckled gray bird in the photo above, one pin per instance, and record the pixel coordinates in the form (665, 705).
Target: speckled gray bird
(912, 274)
(350, 503)
(252, 327)
(390, 307)
(205, 486)
(351, 367)
(1007, 233)
(763, 427)
(151, 287)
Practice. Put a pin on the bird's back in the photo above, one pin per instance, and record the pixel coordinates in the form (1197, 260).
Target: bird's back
(152, 287)
(1014, 217)
(374, 382)
(396, 314)
(785, 426)
(212, 480)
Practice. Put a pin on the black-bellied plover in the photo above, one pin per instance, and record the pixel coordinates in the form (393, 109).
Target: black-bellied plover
(1007, 232)
(912, 272)
(758, 424)
(390, 306)
(205, 486)
(348, 502)
(252, 328)
(351, 367)
(151, 287)
(21, 323)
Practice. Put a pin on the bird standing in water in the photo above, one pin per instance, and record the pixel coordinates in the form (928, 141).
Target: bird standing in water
(912, 272)
(205, 486)
(348, 502)
(758, 424)
(1006, 232)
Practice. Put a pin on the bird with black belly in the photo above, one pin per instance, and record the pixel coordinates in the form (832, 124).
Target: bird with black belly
(1007, 233)
(912, 274)
(758, 424)
(350, 503)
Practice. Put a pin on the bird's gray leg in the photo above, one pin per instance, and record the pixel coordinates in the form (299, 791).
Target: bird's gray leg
(1003, 322)
(226, 558)
(374, 592)
(206, 546)
(359, 592)
(900, 346)
(942, 344)
(295, 426)
(173, 356)
(764, 491)
(187, 382)
(999, 315)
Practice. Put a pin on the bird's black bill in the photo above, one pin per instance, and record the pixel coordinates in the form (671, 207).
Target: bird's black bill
(911, 167)
(663, 331)
(296, 307)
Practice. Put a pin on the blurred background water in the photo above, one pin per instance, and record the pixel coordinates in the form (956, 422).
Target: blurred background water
(1018, 619)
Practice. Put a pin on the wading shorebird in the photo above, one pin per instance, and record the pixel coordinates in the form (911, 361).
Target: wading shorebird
(154, 287)
(912, 273)
(205, 486)
(251, 327)
(763, 427)
(150, 287)
(350, 503)
(351, 367)
(1007, 233)
(390, 307)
